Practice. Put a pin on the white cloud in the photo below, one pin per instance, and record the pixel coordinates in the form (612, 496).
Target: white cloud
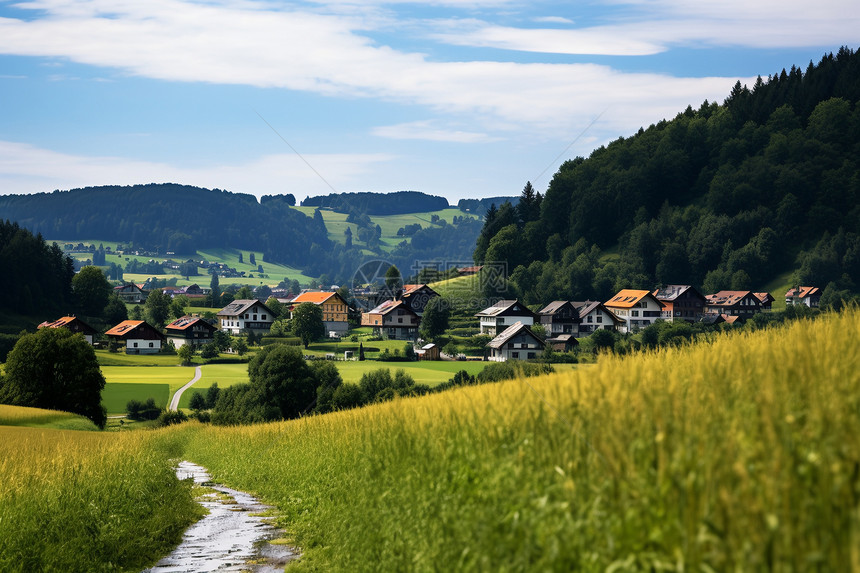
(27, 168)
(429, 131)
(553, 20)
(241, 43)
(652, 27)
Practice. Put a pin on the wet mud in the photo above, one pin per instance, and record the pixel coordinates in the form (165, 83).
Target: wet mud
(232, 537)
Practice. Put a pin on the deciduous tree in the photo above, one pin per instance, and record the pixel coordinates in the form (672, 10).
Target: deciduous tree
(308, 323)
(57, 370)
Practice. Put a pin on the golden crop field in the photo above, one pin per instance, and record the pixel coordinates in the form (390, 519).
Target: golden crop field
(37, 417)
(88, 501)
(739, 453)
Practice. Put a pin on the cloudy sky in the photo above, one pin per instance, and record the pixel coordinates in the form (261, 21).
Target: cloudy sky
(459, 98)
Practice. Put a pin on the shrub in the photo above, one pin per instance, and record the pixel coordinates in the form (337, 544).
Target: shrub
(170, 418)
(137, 410)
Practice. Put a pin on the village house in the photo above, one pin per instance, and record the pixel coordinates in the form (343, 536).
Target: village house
(680, 302)
(740, 303)
(246, 315)
(74, 324)
(593, 315)
(766, 300)
(636, 308)
(334, 310)
(417, 297)
(559, 317)
(803, 295)
(190, 330)
(393, 319)
(130, 293)
(516, 342)
(503, 314)
(137, 336)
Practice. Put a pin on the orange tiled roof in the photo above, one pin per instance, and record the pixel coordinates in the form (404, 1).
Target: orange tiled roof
(627, 298)
(314, 297)
(803, 292)
(57, 323)
(124, 327)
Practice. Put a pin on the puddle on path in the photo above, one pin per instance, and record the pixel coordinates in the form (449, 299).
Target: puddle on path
(232, 537)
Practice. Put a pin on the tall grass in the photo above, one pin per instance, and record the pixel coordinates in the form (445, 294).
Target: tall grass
(742, 453)
(38, 417)
(87, 501)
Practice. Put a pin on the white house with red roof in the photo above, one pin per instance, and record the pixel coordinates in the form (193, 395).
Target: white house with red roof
(636, 308)
(137, 336)
(803, 295)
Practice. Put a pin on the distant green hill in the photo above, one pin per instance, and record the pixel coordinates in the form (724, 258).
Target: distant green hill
(735, 195)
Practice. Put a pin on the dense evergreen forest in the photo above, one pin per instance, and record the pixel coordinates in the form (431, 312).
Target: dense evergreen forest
(396, 203)
(725, 196)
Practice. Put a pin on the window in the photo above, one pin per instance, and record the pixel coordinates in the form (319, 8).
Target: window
(599, 318)
(255, 317)
(634, 313)
(589, 318)
(263, 317)
(135, 344)
(515, 354)
(531, 355)
(151, 344)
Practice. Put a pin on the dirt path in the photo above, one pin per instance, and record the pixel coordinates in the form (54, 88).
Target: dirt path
(174, 402)
(231, 538)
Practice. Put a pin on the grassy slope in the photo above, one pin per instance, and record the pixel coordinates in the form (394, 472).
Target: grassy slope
(275, 272)
(739, 453)
(88, 501)
(39, 418)
(336, 224)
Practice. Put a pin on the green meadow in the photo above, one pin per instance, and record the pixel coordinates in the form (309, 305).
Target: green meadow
(115, 396)
(275, 273)
(336, 223)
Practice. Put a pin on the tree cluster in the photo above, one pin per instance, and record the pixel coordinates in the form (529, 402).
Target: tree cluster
(396, 203)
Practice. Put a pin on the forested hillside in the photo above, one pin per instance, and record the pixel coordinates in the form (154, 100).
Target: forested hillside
(725, 196)
(179, 218)
(183, 219)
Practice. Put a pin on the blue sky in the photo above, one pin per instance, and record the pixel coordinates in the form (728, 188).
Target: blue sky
(454, 98)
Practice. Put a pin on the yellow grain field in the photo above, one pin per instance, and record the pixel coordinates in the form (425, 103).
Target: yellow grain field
(740, 453)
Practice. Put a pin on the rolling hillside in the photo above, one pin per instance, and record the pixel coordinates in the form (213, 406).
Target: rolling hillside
(735, 195)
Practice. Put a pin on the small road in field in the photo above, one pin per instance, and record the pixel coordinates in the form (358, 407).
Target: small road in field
(174, 402)
(233, 537)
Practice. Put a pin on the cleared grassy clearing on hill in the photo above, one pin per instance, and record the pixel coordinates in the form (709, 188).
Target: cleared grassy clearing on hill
(336, 224)
(88, 501)
(230, 257)
(735, 454)
(115, 396)
(39, 418)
